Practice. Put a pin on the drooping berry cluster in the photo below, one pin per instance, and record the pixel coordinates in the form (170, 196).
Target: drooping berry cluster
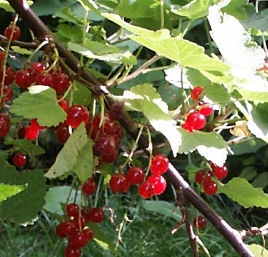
(154, 184)
(196, 117)
(206, 178)
(76, 224)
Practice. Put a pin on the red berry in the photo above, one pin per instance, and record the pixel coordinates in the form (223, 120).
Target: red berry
(95, 215)
(201, 175)
(159, 164)
(63, 103)
(12, 32)
(72, 210)
(118, 183)
(71, 251)
(159, 183)
(31, 132)
(206, 109)
(23, 79)
(44, 78)
(66, 229)
(9, 75)
(4, 124)
(8, 93)
(194, 121)
(19, 159)
(220, 172)
(89, 187)
(146, 189)
(199, 222)
(80, 240)
(1, 56)
(76, 114)
(135, 175)
(62, 132)
(61, 82)
(196, 92)
(210, 187)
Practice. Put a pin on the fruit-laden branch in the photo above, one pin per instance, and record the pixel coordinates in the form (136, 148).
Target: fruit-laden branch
(41, 31)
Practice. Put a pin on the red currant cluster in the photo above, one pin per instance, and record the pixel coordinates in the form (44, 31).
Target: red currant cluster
(196, 117)
(204, 178)
(76, 224)
(154, 184)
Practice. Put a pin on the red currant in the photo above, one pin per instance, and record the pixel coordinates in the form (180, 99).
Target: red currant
(89, 187)
(118, 183)
(66, 229)
(61, 82)
(146, 189)
(4, 124)
(159, 164)
(220, 172)
(135, 175)
(76, 114)
(210, 187)
(19, 159)
(23, 79)
(194, 121)
(199, 222)
(44, 78)
(63, 103)
(31, 132)
(159, 183)
(62, 132)
(71, 251)
(95, 215)
(206, 109)
(72, 210)
(79, 240)
(201, 175)
(196, 92)
(12, 32)
(1, 56)
(9, 75)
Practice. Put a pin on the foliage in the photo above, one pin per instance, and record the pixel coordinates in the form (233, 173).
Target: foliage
(147, 61)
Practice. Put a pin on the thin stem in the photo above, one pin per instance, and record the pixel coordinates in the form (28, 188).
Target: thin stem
(162, 14)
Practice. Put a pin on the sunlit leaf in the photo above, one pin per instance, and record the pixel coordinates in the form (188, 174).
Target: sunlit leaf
(258, 250)
(241, 191)
(39, 102)
(7, 190)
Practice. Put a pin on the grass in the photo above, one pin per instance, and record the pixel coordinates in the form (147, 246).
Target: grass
(143, 233)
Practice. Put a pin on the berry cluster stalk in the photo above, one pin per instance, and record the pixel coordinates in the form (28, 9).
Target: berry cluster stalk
(173, 175)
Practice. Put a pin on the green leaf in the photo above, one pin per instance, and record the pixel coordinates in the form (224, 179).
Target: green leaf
(75, 156)
(144, 98)
(241, 191)
(261, 180)
(258, 250)
(184, 52)
(43, 8)
(41, 103)
(252, 145)
(195, 9)
(59, 195)
(7, 190)
(22, 207)
(237, 9)
(162, 207)
(209, 144)
(100, 51)
(4, 4)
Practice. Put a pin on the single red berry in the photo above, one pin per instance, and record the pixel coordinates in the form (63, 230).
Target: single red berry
(88, 233)
(62, 133)
(135, 175)
(95, 215)
(201, 175)
(76, 114)
(44, 78)
(31, 132)
(79, 240)
(9, 75)
(159, 164)
(89, 187)
(8, 93)
(66, 229)
(71, 251)
(146, 189)
(205, 109)
(220, 172)
(196, 92)
(23, 79)
(4, 124)
(80, 221)
(199, 222)
(118, 183)
(63, 103)
(159, 183)
(61, 82)
(209, 186)
(72, 210)
(195, 121)
(19, 159)
(12, 32)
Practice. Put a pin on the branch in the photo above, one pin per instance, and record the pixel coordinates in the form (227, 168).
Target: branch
(232, 235)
